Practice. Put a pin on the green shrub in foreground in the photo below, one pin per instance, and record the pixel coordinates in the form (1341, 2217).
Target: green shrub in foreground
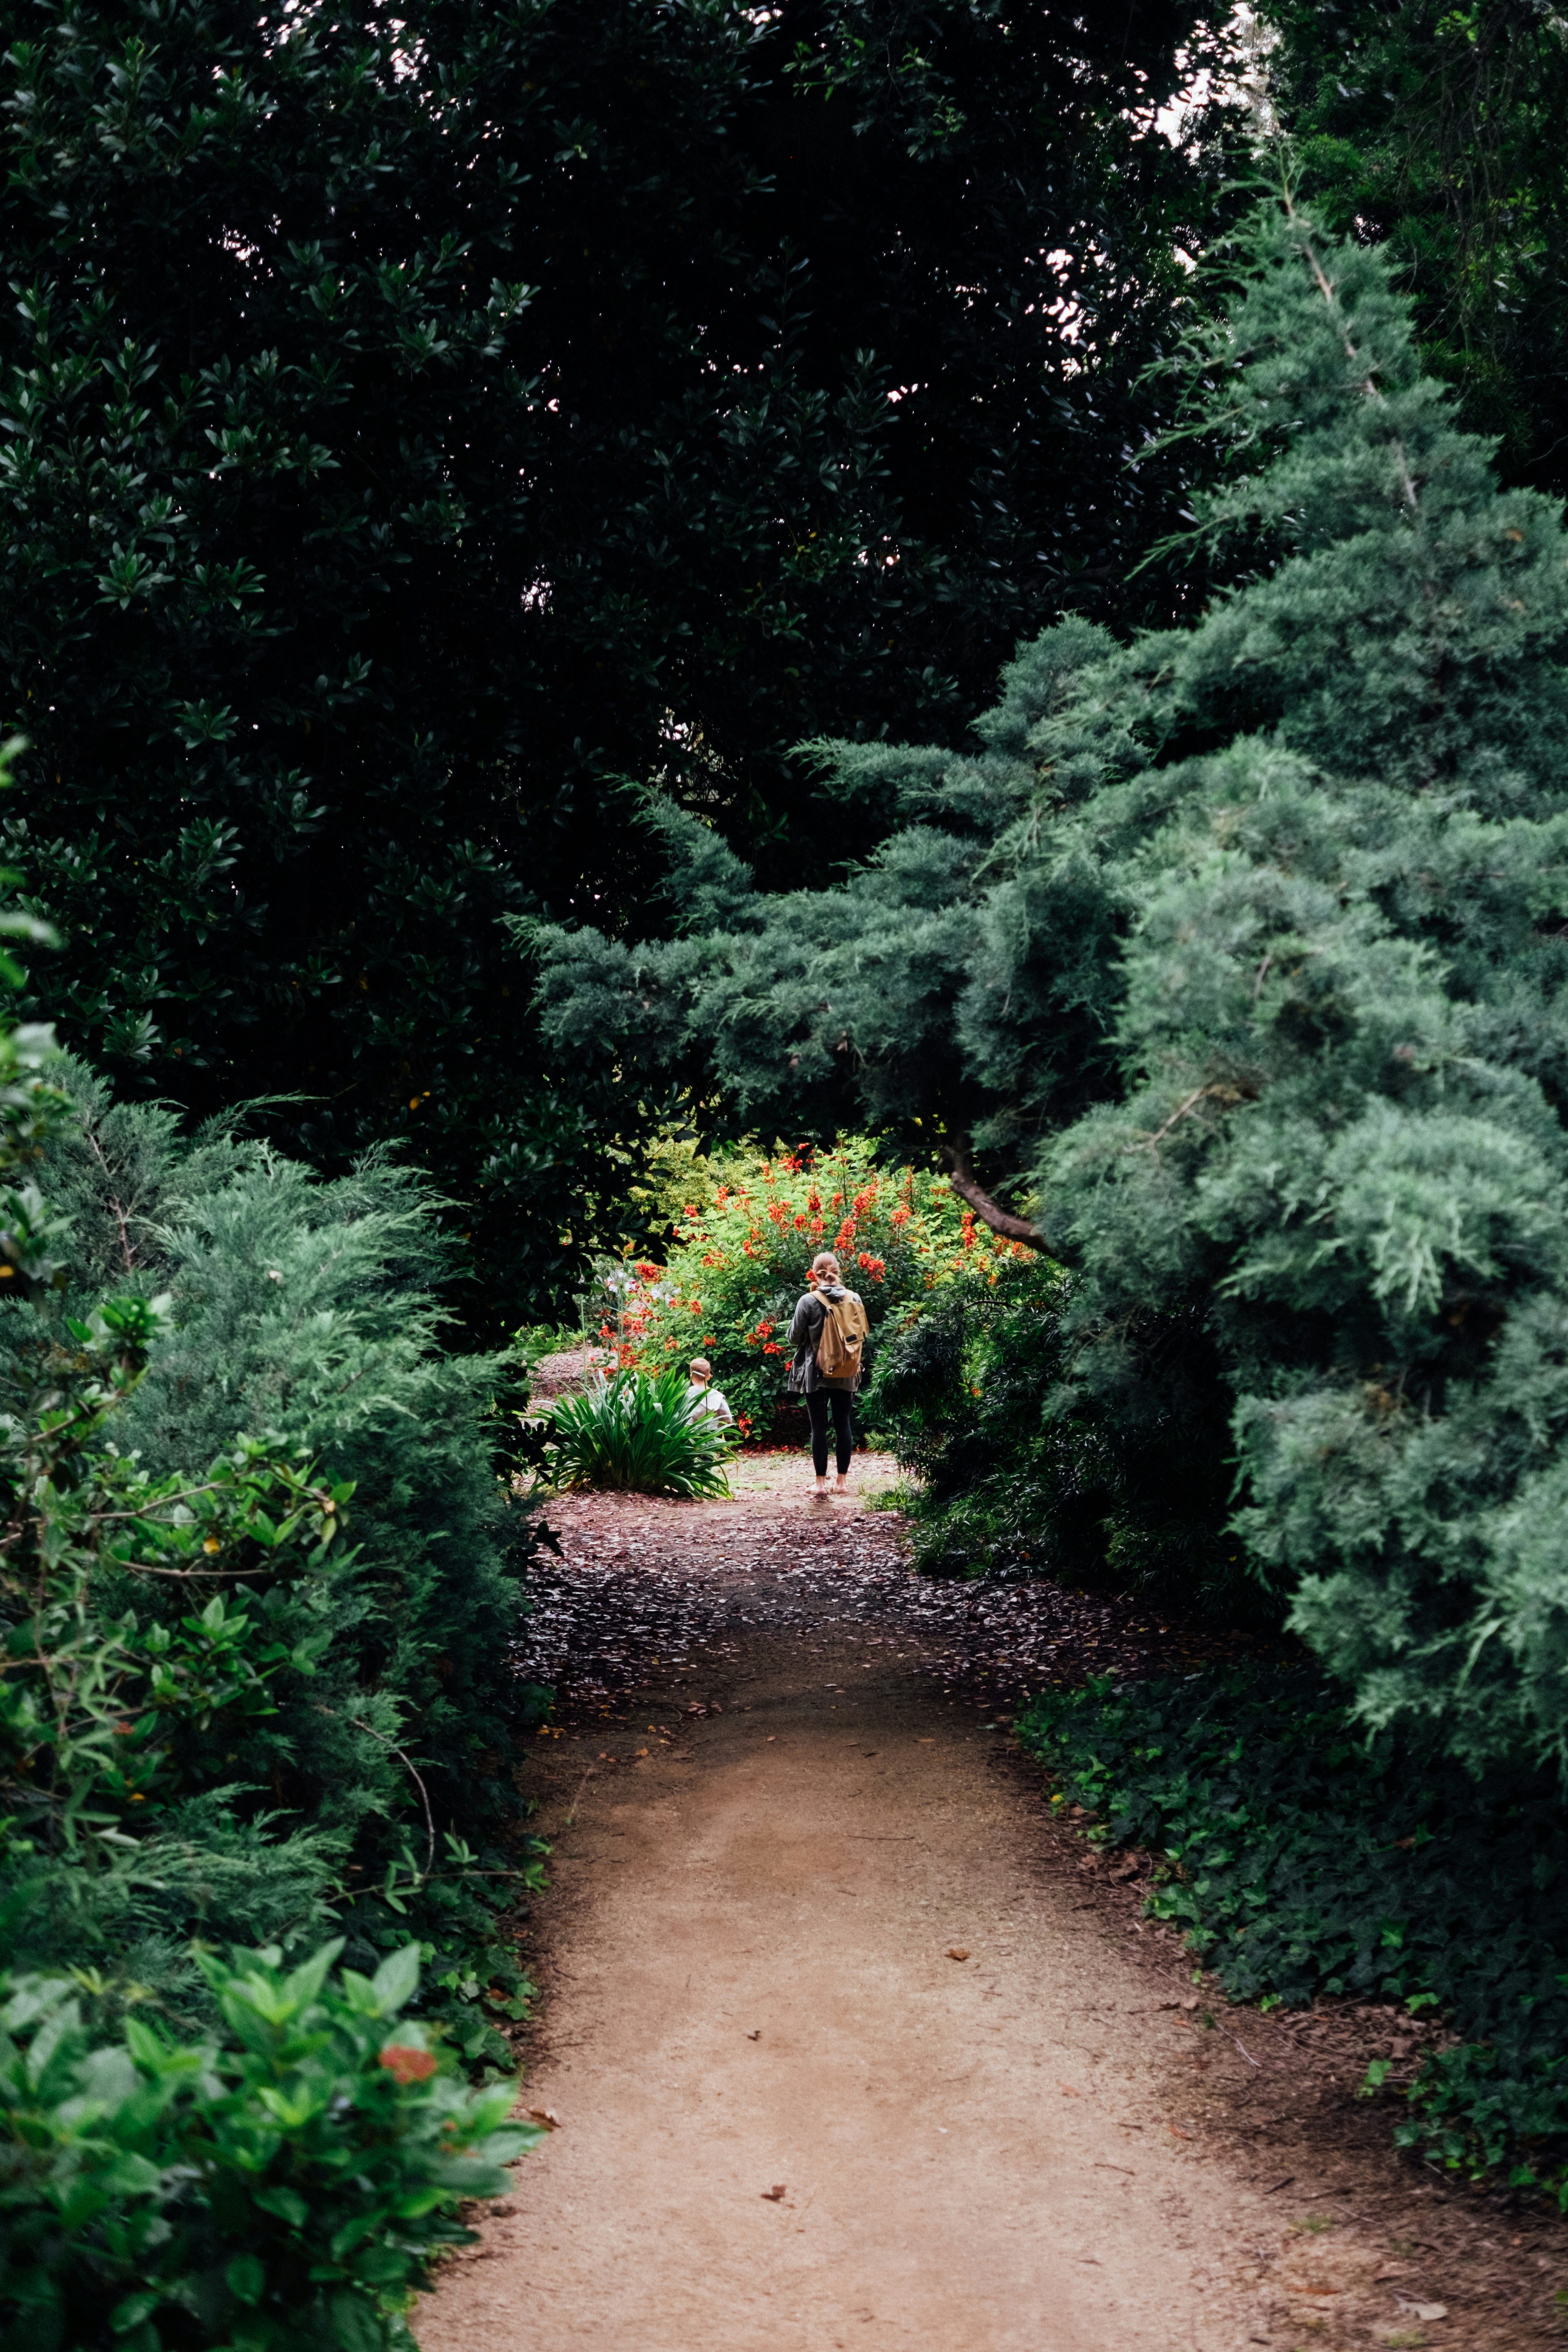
(217, 1725)
(637, 1433)
(279, 2186)
(1302, 1861)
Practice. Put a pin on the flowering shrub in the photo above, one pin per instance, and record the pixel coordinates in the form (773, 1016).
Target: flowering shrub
(740, 1259)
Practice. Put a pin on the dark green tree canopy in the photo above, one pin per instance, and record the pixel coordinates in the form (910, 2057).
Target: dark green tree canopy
(1243, 947)
(414, 423)
(1439, 131)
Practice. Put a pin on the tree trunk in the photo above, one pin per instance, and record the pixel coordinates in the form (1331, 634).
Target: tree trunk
(961, 1172)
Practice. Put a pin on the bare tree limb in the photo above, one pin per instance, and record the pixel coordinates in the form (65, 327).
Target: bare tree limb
(122, 1216)
(404, 1758)
(960, 1175)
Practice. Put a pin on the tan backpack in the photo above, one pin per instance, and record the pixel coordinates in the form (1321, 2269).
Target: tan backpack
(844, 1331)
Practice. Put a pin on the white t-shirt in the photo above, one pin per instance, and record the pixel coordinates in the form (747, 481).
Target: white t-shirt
(709, 1401)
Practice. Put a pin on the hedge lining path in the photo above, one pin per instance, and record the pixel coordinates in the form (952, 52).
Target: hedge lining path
(794, 2119)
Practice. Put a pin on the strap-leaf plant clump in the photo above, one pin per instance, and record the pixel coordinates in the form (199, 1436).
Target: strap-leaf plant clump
(636, 1433)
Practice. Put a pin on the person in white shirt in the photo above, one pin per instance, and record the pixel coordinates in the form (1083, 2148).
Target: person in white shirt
(702, 1399)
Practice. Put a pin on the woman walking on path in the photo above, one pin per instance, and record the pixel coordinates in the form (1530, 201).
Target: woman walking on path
(828, 1312)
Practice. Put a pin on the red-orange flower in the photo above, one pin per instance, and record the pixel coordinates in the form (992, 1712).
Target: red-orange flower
(407, 2065)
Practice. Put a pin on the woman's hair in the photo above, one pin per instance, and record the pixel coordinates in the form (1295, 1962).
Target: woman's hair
(824, 1261)
(700, 1364)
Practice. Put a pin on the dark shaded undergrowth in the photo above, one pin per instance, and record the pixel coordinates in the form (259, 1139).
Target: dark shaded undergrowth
(1019, 1467)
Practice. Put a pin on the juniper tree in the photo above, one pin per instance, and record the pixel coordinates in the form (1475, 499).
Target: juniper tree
(1244, 948)
(299, 1314)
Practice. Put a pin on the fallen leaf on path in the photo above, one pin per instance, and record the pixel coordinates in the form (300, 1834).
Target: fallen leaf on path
(770, 1737)
(545, 2116)
(642, 1751)
(1176, 2131)
(756, 2036)
(1422, 2310)
(925, 1743)
(774, 2194)
(958, 1952)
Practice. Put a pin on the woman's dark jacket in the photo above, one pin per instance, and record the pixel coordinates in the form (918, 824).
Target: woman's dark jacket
(805, 1333)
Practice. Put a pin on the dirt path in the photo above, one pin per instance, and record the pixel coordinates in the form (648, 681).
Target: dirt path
(850, 2046)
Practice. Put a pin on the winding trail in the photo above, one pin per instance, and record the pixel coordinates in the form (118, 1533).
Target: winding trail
(849, 2047)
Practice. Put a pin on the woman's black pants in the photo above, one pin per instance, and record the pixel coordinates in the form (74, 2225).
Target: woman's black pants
(817, 1403)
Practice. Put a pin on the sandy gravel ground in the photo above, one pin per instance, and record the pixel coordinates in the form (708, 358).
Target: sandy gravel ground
(851, 2046)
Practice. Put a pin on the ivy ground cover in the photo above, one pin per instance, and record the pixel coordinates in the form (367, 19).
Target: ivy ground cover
(1305, 1863)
